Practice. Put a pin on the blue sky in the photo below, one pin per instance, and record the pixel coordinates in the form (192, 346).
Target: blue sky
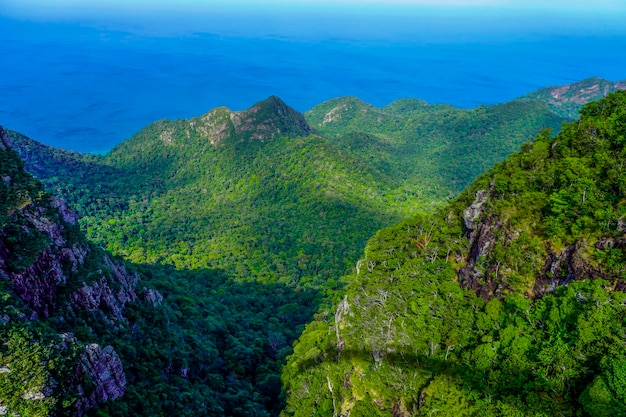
(61, 6)
(167, 17)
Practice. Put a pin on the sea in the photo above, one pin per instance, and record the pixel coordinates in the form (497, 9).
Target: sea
(89, 84)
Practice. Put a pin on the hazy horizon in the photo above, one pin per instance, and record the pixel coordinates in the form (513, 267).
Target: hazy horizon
(63, 6)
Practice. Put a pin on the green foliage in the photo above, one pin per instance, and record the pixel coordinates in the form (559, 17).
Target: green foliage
(413, 337)
(437, 149)
(214, 190)
(28, 366)
(252, 213)
(214, 347)
(173, 197)
(606, 395)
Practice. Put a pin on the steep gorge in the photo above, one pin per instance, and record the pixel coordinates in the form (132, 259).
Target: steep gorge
(282, 208)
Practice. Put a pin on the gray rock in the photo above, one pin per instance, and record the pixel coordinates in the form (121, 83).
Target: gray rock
(33, 395)
(475, 211)
(153, 297)
(67, 215)
(104, 368)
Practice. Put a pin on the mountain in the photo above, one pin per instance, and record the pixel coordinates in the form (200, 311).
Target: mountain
(213, 191)
(439, 145)
(508, 300)
(566, 100)
(239, 224)
(56, 292)
(86, 334)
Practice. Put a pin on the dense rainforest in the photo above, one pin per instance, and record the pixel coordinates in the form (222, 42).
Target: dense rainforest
(507, 301)
(274, 195)
(236, 228)
(80, 328)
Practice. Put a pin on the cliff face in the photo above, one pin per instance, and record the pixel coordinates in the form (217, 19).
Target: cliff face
(553, 213)
(58, 263)
(487, 274)
(51, 279)
(104, 367)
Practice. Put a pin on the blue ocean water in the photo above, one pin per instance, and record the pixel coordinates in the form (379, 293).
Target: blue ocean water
(87, 87)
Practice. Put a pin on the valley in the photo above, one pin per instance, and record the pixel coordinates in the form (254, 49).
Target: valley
(241, 228)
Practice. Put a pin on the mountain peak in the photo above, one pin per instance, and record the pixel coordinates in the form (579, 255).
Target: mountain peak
(337, 111)
(269, 118)
(273, 101)
(264, 120)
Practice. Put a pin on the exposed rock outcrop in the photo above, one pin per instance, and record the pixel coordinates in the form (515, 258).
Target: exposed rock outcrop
(480, 233)
(265, 120)
(570, 264)
(153, 297)
(104, 368)
(57, 274)
(566, 100)
(37, 285)
(100, 295)
(560, 267)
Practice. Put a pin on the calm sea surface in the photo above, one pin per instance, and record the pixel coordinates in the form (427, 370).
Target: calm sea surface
(87, 87)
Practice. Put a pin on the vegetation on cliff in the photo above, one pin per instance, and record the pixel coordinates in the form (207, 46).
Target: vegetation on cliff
(506, 301)
(80, 329)
(239, 224)
(51, 285)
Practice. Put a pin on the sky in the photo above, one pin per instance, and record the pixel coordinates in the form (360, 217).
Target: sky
(295, 17)
(65, 6)
(203, 3)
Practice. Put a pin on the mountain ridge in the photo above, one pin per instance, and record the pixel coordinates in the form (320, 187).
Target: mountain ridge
(393, 149)
(85, 333)
(260, 212)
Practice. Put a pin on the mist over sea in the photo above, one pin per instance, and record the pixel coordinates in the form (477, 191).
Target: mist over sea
(88, 86)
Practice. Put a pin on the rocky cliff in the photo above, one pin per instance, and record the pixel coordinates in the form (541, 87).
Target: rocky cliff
(51, 280)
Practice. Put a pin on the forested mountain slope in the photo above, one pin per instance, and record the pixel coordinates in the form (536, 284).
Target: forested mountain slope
(233, 198)
(86, 334)
(262, 195)
(438, 148)
(57, 293)
(252, 192)
(507, 301)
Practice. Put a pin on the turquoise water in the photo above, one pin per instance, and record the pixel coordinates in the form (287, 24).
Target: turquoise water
(87, 87)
